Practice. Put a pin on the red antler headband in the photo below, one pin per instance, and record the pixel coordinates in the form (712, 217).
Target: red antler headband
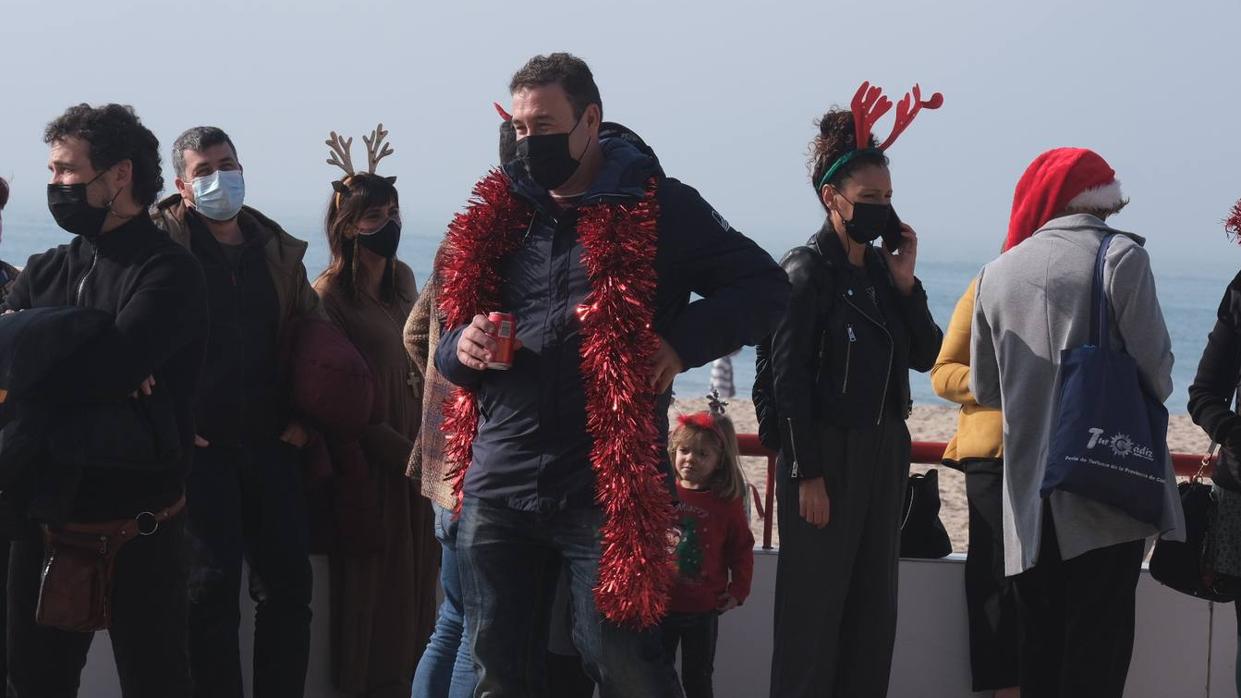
(704, 421)
(339, 155)
(1232, 224)
(868, 106)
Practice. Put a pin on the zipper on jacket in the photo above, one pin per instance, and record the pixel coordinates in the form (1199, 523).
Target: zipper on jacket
(887, 378)
(844, 385)
(793, 445)
(89, 270)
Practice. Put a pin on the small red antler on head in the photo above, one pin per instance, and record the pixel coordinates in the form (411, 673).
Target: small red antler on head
(1232, 224)
(908, 108)
(500, 110)
(700, 420)
(869, 105)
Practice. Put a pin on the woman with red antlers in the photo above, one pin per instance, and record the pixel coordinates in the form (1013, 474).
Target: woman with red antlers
(857, 322)
(1212, 402)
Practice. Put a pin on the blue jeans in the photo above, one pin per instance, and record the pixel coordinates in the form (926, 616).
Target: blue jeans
(446, 669)
(510, 562)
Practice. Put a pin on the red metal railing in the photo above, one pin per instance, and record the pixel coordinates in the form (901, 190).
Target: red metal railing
(923, 452)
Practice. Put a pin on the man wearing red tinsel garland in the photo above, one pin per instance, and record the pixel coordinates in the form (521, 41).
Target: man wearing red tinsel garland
(561, 458)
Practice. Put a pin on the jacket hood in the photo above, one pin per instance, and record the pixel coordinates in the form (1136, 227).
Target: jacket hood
(1084, 221)
(169, 215)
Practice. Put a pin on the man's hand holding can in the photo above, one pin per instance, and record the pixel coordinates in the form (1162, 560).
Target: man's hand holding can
(489, 342)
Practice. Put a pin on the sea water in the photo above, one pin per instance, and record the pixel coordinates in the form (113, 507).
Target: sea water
(1189, 300)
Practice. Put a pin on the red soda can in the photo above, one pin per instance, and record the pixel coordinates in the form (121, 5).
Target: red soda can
(506, 331)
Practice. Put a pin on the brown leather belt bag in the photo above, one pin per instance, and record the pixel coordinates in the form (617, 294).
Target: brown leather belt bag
(79, 560)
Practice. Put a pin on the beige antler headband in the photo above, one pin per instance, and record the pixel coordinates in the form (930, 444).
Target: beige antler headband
(338, 155)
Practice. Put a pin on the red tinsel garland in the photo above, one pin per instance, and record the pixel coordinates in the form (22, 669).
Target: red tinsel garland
(618, 349)
(478, 239)
(618, 346)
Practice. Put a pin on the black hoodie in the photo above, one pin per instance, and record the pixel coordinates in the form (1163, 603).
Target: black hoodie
(155, 291)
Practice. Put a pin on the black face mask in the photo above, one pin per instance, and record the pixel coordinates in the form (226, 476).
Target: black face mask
(384, 241)
(868, 221)
(69, 207)
(547, 158)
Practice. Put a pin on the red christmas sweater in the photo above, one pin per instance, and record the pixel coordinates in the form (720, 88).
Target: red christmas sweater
(716, 552)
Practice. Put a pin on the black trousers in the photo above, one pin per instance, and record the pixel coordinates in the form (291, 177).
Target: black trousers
(247, 502)
(836, 587)
(148, 622)
(4, 609)
(696, 635)
(989, 596)
(567, 678)
(1077, 619)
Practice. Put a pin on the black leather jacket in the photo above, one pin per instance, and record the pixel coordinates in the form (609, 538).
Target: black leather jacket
(838, 363)
(1211, 397)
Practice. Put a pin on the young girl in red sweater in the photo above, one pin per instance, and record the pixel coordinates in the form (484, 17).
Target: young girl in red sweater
(716, 550)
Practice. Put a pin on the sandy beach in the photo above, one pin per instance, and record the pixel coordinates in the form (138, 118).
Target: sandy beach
(927, 423)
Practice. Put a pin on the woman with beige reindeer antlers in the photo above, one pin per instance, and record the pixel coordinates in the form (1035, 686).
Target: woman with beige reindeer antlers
(385, 562)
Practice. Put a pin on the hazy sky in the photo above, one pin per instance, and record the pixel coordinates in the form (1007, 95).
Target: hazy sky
(725, 92)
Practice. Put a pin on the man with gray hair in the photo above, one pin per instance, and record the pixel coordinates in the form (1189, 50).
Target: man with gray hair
(244, 492)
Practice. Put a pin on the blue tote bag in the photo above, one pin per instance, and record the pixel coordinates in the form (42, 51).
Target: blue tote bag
(1110, 438)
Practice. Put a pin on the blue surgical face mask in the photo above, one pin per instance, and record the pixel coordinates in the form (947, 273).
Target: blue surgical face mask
(219, 195)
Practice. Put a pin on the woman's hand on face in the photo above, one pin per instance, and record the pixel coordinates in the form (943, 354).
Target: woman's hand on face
(814, 503)
(902, 265)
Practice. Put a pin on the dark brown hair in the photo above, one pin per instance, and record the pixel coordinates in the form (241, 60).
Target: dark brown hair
(566, 70)
(837, 137)
(4, 193)
(361, 192)
(114, 133)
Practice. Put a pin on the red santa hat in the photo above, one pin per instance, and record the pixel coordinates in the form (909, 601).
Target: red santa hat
(1060, 180)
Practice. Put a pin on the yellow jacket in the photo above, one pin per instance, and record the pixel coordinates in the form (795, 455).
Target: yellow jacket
(980, 430)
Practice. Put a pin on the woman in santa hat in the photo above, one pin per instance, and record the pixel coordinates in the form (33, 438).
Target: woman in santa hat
(1075, 560)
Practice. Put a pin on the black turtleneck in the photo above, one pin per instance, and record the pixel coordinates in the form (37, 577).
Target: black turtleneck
(155, 290)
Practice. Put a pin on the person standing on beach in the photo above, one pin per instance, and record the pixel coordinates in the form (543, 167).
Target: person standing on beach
(857, 323)
(722, 376)
(144, 373)
(244, 495)
(1213, 406)
(385, 565)
(8, 276)
(715, 550)
(561, 456)
(8, 272)
(446, 669)
(977, 449)
(1075, 561)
